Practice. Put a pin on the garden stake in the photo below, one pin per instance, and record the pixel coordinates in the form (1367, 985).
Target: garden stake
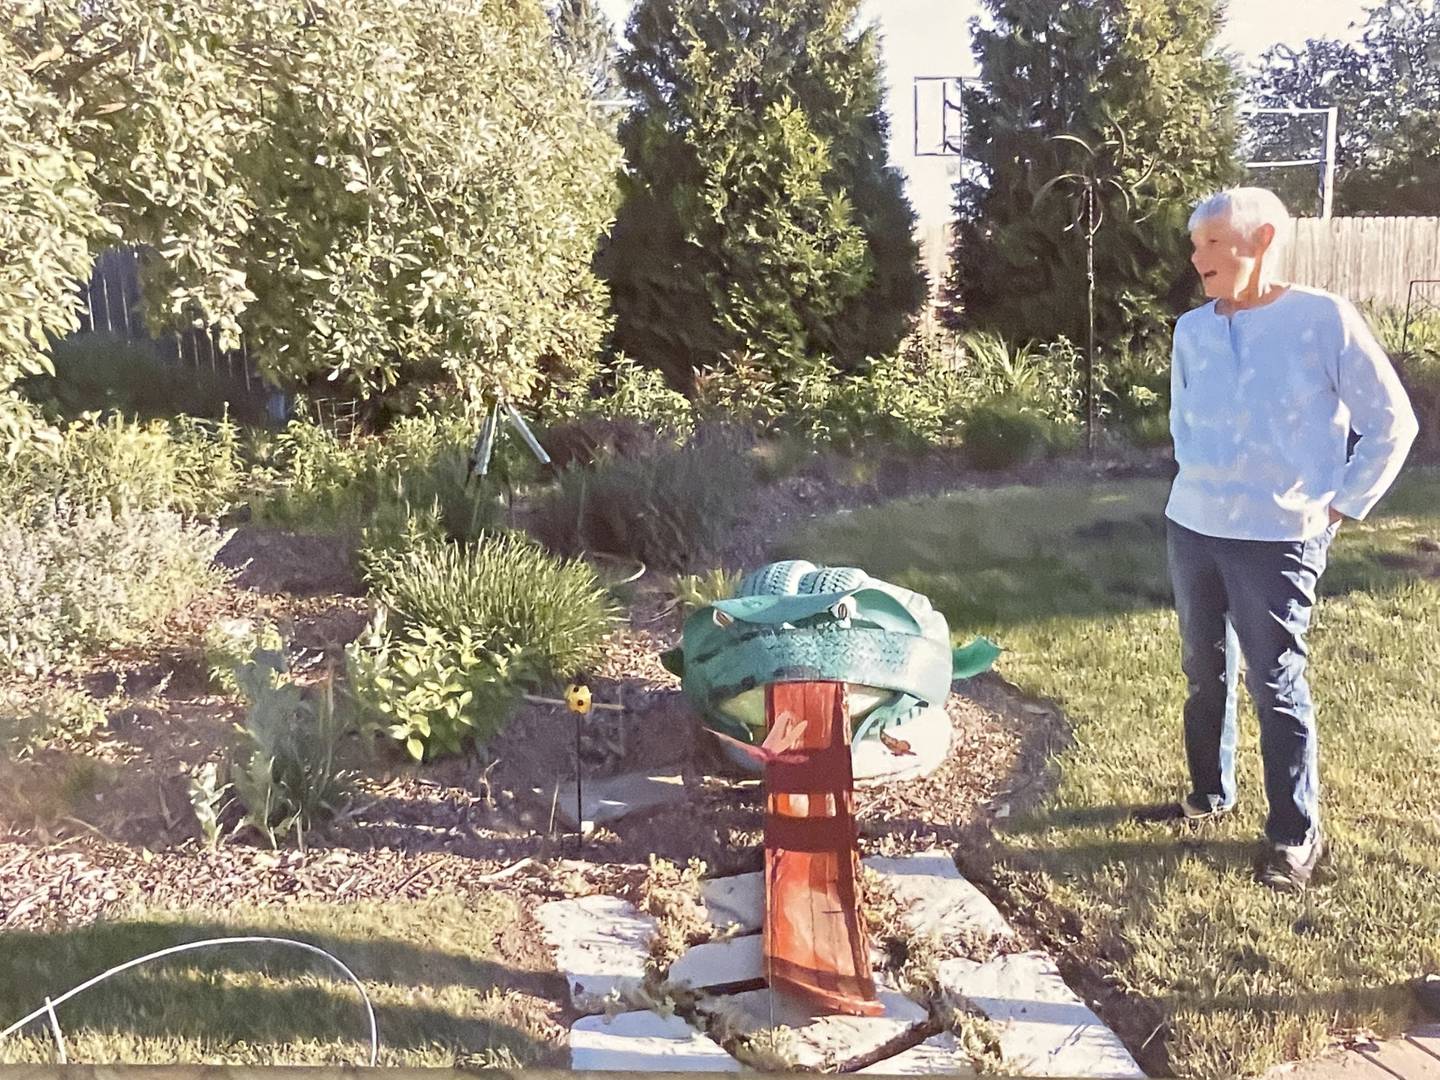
(580, 701)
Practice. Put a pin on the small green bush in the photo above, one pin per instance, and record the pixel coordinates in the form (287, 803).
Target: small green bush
(1133, 396)
(1046, 378)
(692, 591)
(433, 692)
(670, 509)
(285, 769)
(192, 466)
(230, 643)
(593, 439)
(624, 390)
(514, 599)
(310, 478)
(1004, 433)
(76, 580)
(897, 401)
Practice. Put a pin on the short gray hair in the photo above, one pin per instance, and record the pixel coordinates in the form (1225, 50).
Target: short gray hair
(1247, 208)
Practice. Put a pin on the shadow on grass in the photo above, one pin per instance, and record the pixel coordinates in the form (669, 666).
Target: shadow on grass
(219, 994)
(1011, 557)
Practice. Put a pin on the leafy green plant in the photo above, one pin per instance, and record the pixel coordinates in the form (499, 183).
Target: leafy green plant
(1004, 433)
(669, 510)
(191, 466)
(208, 800)
(1044, 377)
(897, 400)
(310, 478)
(285, 769)
(433, 691)
(693, 591)
(513, 598)
(229, 643)
(76, 580)
(624, 390)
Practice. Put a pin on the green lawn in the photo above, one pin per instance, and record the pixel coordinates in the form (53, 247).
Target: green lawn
(442, 996)
(1072, 583)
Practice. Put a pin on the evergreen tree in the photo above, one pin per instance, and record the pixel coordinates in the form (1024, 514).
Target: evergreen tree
(1144, 74)
(759, 214)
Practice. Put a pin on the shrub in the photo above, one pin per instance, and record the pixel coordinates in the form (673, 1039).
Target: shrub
(432, 692)
(548, 615)
(192, 466)
(75, 580)
(624, 391)
(1133, 395)
(420, 468)
(1003, 433)
(670, 509)
(285, 769)
(590, 440)
(1048, 378)
(898, 400)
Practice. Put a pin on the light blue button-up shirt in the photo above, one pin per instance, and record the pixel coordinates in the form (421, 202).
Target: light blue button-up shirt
(1262, 403)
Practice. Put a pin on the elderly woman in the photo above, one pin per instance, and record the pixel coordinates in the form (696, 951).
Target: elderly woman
(1268, 381)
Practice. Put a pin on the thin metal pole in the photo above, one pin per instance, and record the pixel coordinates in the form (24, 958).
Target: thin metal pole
(1090, 319)
(1327, 175)
(579, 780)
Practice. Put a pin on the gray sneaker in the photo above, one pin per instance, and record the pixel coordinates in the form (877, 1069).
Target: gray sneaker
(1194, 809)
(1289, 867)
(1187, 809)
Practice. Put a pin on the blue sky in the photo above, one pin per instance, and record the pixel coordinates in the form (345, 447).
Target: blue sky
(932, 37)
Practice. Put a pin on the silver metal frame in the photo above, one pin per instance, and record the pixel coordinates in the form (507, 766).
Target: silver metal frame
(1326, 161)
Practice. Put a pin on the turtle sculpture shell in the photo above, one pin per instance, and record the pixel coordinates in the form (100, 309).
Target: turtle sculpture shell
(794, 621)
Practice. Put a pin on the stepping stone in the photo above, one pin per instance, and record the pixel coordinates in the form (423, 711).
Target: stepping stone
(643, 1042)
(938, 901)
(1044, 1029)
(735, 901)
(721, 963)
(602, 946)
(939, 1055)
(608, 799)
(1404, 1057)
(824, 1041)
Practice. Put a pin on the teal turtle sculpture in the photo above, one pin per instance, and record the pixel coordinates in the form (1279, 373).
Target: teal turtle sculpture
(794, 622)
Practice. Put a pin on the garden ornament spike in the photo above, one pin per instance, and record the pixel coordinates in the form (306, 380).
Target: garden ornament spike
(820, 678)
(580, 701)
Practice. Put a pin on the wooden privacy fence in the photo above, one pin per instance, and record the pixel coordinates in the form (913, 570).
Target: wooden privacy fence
(110, 305)
(1363, 258)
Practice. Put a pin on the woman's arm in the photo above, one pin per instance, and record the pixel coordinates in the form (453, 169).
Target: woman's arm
(1379, 412)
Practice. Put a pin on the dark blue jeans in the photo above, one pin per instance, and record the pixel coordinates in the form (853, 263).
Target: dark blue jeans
(1263, 590)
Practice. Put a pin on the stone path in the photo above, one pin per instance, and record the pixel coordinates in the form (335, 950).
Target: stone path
(602, 945)
(1415, 1056)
